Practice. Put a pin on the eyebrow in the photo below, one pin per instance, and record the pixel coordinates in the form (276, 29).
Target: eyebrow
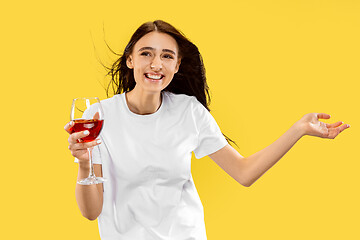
(151, 48)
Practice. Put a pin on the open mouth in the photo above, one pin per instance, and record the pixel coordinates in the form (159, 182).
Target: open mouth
(154, 77)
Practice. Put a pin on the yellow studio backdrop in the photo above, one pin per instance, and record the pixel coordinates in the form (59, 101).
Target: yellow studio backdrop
(268, 63)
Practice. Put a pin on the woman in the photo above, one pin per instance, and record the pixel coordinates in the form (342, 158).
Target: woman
(158, 116)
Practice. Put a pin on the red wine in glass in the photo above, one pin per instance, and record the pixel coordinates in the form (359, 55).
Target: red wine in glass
(87, 114)
(94, 126)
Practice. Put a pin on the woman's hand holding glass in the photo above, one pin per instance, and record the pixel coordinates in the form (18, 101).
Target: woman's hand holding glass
(87, 118)
(78, 148)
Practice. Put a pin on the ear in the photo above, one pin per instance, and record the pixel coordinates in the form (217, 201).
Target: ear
(129, 62)
(178, 65)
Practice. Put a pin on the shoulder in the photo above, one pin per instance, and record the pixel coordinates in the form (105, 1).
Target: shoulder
(110, 101)
(184, 106)
(181, 100)
(109, 104)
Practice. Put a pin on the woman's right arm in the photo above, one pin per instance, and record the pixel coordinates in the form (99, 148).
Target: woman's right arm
(88, 197)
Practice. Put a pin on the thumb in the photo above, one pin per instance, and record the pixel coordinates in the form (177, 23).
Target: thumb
(96, 116)
(68, 126)
(322, 116)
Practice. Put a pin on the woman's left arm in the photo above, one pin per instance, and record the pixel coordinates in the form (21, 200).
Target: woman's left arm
(247, 170)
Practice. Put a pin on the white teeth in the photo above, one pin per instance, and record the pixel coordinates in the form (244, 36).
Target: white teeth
(153, 76)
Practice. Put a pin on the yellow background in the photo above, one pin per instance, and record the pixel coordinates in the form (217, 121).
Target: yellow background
(268, 63)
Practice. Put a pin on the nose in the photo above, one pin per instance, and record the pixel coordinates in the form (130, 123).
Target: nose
(156, 64)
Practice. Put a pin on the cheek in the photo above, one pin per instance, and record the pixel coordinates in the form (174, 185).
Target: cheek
(139, 67)
(140, 62)
(138, 75)
(171, 67)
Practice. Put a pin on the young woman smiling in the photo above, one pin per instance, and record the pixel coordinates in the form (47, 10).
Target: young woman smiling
(158, 116)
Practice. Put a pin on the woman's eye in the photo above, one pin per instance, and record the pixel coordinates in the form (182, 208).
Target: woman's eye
(168, 56)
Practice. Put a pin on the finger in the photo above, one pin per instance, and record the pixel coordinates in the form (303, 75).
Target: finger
(73, 138)
(333, 125)
(96, 116)
(343, 127)
(68, 126)
(336, 131)
(323, 116)
(84, 145)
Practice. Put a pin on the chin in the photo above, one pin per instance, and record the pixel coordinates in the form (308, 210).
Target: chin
(156, 84)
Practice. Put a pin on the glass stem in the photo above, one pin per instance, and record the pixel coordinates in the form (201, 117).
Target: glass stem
(91, 173)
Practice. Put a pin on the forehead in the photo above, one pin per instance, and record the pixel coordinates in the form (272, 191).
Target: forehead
(158, 41)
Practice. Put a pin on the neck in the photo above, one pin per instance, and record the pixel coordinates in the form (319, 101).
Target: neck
(143, 103)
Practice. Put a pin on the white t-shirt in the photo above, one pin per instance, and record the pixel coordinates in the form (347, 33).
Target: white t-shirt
(150, 193)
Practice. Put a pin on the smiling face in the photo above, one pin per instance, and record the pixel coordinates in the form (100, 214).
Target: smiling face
(155, 60)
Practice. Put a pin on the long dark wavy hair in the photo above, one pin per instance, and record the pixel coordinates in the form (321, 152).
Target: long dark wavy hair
(190, 78)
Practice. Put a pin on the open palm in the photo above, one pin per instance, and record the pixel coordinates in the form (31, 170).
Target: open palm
(314, 127)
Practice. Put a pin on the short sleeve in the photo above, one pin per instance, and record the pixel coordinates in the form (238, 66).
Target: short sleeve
(96, 153)
(210, 137)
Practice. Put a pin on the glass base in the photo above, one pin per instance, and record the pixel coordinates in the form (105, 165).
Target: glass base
(91, 180)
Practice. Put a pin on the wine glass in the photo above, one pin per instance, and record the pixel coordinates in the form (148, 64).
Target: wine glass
(87, 114)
